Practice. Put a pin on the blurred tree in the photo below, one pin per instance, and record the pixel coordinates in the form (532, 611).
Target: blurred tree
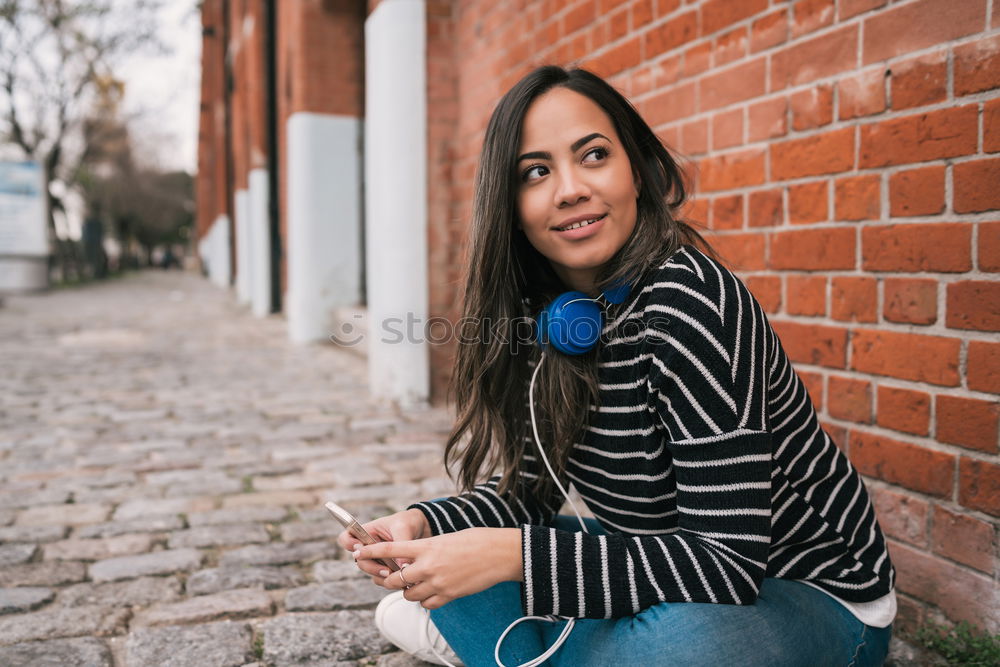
(54, 55)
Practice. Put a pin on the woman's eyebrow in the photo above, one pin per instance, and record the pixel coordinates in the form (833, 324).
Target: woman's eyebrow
(543, 155)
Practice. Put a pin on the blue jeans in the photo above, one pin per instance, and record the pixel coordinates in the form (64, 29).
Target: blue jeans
(790, 624)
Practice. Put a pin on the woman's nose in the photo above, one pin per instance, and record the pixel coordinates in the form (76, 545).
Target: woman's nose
(571, 189)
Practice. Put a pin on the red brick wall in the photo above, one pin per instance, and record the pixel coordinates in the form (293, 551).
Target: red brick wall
(844, 156)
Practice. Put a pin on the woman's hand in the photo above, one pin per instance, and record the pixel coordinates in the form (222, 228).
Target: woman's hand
(448, 566)
(401, 526)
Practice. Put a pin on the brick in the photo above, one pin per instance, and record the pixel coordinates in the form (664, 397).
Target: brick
(718, 14)
(768, 31)
(727, 212)
(618, 58)
(767, 291)
(223, 643)
(853, 298)
(57, 622)
(974, 304)
(917, 191)
(850, 399)
(140, 592)
(220, 535)
(727, 129)
(967, 422)
(904, 410)
(69, 514)
(812, 107)
(697, 59)
(25, 599)
(239, 603)
(15, 554)
(732, 85)
(579, 17)
(918, 138)
(900, 515)
(813, 344)
(932, 359)
(731, 46)
(214, 580)
(767, 119)
(988, 251)
(964, 539)
(977, 186)
(348, 594)
(76, 652)
(903, 463)
(858, 197)
(143, 508)
(910, 300)
(958, 592)
(642, 12)
(670, 35)
(977, 66)
(861, 94)
(811, 15)
(991, 125)
(984, 366)
(669, 105)
(849, 8)
(270, 499)
(278, 553)
(979, 485)
(694, 137)
(813, 249)
(742, 252)
(826, 153)
(917, 25)
(816, 58)
(320, 638)
(807, 202)
(159, 562)
(48, 573)
(920, 81)
(943, 247)
(732, 170)
(766, 208)
(697, 210)
(806, 295)
(97, 549)
(32, 533)
(814, 386)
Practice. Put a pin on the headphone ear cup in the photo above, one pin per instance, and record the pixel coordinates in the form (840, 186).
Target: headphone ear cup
(571, 323)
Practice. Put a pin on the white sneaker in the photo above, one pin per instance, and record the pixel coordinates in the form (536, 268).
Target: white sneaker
(408, 625)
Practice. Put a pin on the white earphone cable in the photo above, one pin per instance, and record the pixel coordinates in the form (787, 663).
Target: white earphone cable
(570, 622)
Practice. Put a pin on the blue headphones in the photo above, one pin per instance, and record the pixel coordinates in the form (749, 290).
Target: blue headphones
(572, 323)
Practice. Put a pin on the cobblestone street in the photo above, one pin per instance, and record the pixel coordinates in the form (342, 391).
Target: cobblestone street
(164, 457)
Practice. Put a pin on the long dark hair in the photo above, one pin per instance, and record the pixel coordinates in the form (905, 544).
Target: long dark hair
(508, 281)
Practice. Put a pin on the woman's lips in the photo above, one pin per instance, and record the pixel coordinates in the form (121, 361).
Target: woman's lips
(583, 232)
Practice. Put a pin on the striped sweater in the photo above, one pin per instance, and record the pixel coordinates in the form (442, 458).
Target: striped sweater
(705, 463)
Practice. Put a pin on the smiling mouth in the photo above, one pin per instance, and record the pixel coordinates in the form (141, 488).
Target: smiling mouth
(582, 223)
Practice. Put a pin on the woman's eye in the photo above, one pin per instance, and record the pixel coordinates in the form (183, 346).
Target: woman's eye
(532, 173)
(595, 154)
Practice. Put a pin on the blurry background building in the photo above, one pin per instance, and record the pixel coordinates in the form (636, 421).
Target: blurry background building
(844, 160)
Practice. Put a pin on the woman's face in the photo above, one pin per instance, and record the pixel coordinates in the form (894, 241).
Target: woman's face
(573, 169)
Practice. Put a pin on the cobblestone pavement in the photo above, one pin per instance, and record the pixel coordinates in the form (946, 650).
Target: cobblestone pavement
(164, 456)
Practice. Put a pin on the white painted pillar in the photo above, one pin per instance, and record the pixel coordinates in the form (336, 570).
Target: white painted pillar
(324, 221)
(244, 245)
(396, 200)
(260, 243)
(219, 263)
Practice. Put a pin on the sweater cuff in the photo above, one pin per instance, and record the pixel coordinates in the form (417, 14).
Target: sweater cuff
(537, 590)
(432, 521)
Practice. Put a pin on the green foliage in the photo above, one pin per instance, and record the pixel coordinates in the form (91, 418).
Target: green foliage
(962, 644)
(258, 647)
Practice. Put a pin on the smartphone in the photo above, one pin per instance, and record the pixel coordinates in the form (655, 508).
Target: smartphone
(357, 531)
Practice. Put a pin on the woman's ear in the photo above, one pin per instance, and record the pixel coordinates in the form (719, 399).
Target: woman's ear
(636, 183)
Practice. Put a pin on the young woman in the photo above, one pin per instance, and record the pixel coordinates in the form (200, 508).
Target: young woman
(730, 529)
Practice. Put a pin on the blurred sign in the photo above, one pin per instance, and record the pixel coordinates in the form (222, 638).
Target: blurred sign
(24, 244)
(22, 209)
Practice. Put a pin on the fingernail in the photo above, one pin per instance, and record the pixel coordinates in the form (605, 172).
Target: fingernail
(357, 553)
(383, 573)
(357, 546)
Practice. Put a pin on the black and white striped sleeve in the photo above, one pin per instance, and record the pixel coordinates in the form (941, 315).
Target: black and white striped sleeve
(485, 507)
(706, 386)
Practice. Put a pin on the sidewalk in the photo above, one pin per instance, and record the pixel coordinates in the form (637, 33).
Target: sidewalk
(164, 456)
